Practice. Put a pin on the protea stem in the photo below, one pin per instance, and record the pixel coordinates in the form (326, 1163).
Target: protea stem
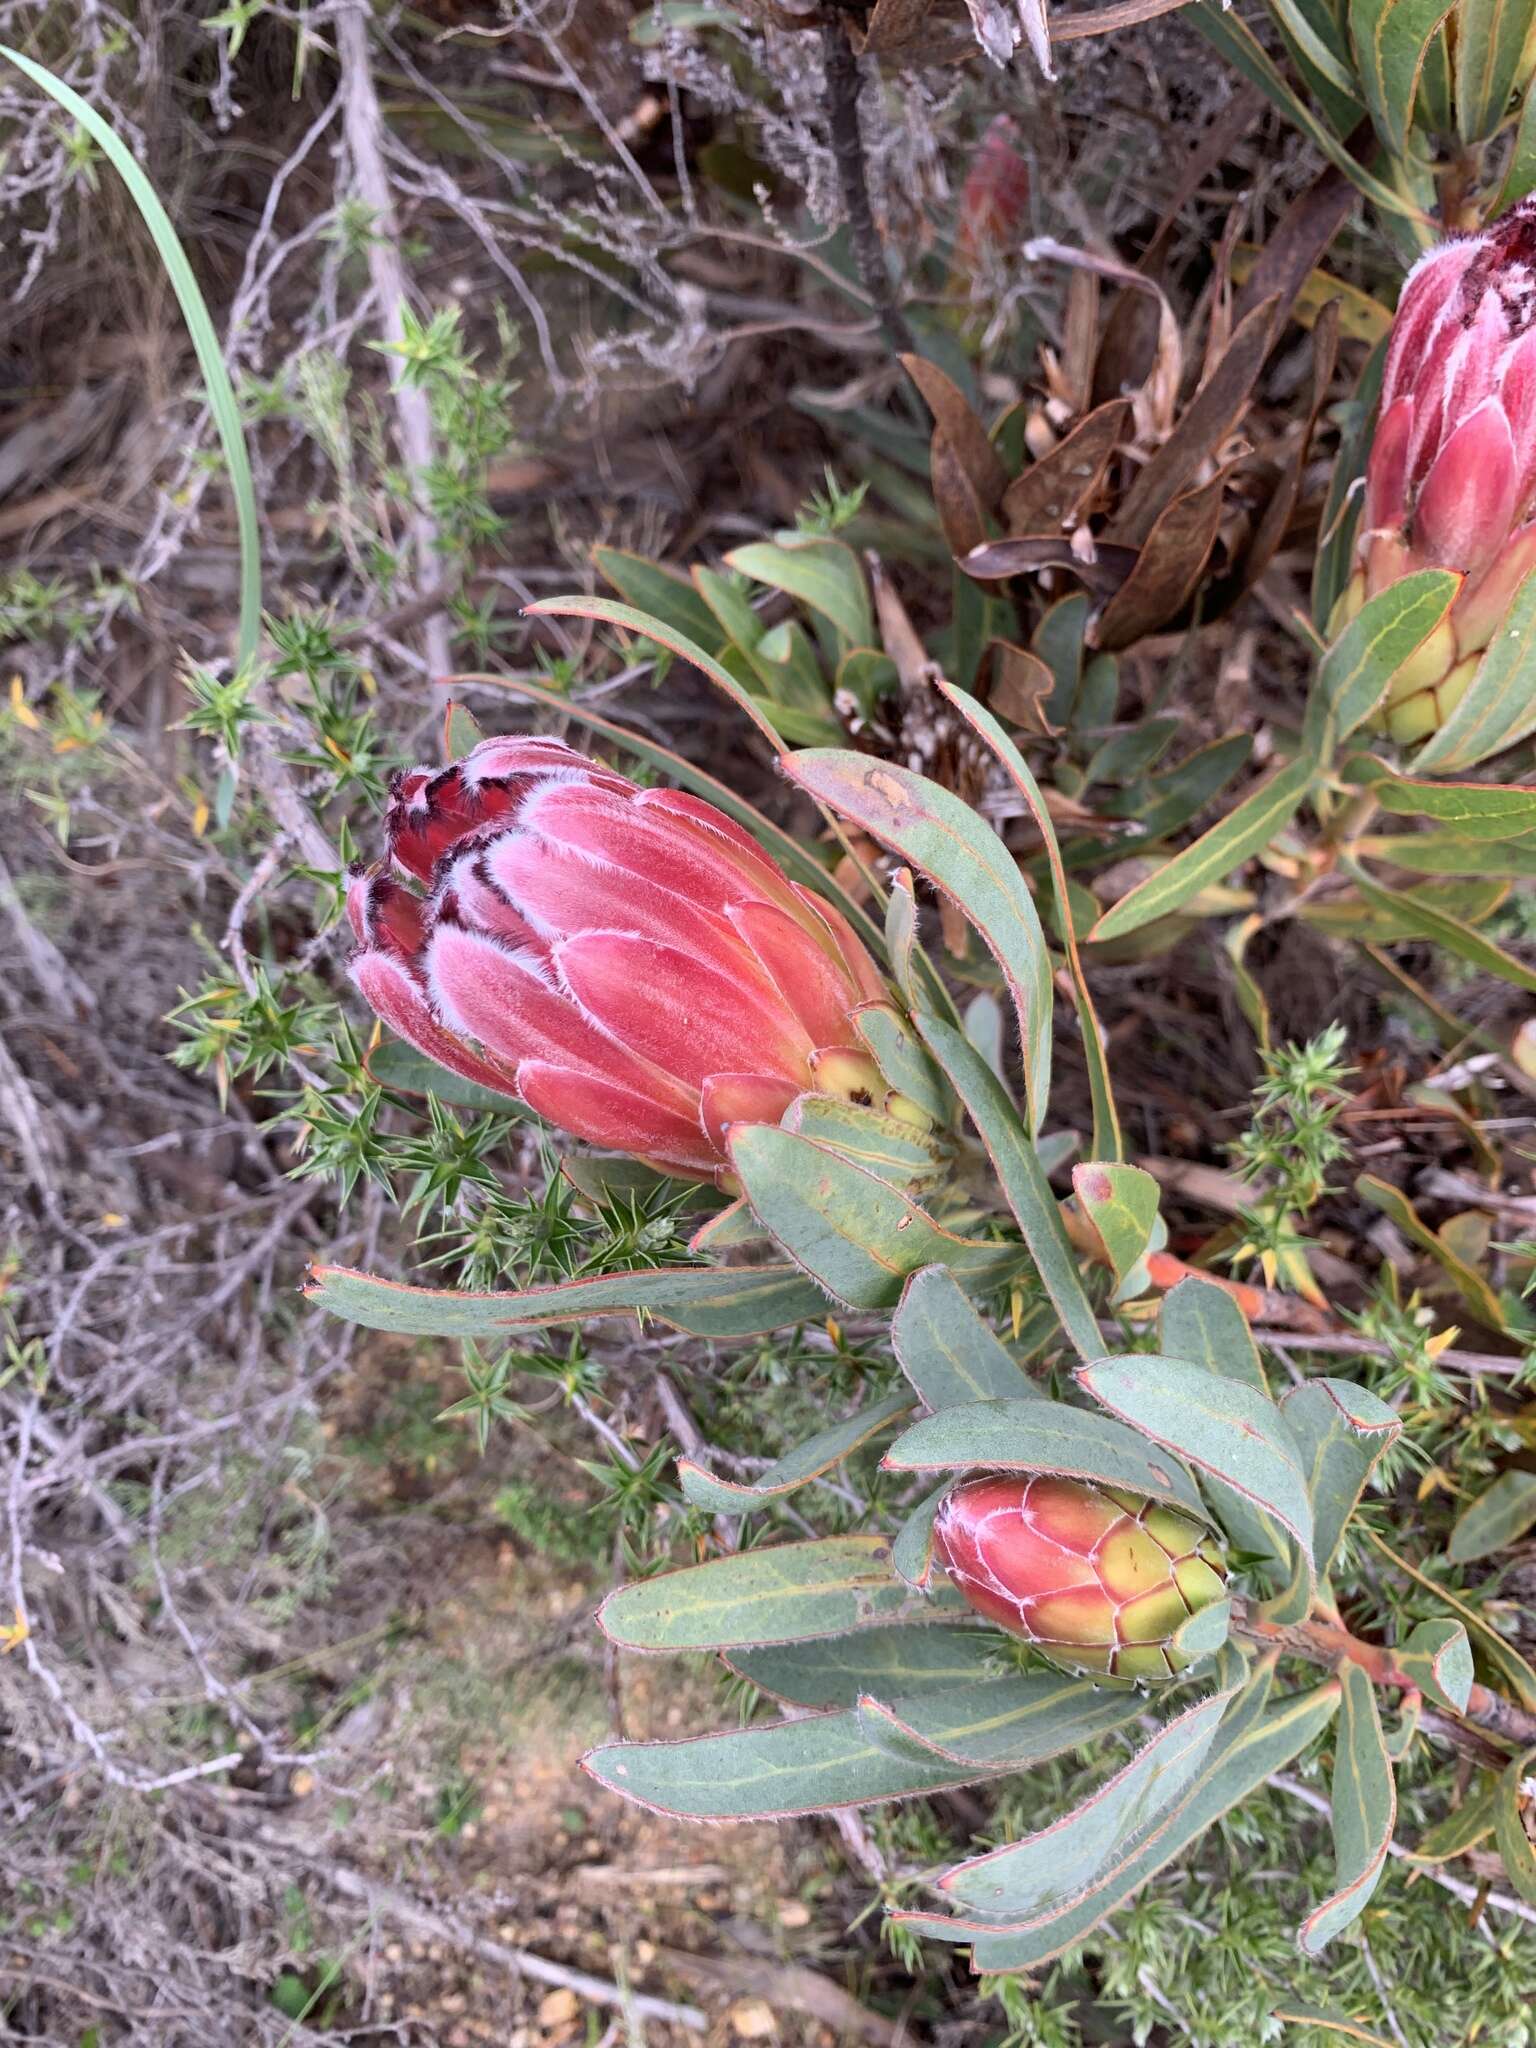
(1322, 1640)
(842, 83)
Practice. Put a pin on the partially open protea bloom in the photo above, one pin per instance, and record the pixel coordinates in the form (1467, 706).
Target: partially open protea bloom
(626, 961)
(1451, 482)
(1096, 1578)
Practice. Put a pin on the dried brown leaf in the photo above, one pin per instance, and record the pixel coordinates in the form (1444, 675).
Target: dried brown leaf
(966, 434)
(1102, 571)
(1167, 569)
(1163, 380)
(1295, 246)
(1080, 337)
(1207, 421)
(954, 496)
(1128, 350)
(898, 636)
(1052, 493)
(1021, 689)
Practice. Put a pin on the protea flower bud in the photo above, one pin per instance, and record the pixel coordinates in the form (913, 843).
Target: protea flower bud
(1451, 481)
(628, 962)
(994, 200)
(1096, 1578)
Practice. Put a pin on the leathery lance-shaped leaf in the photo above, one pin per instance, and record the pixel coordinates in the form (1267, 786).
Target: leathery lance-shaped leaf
(1245, 1695)
(1500, 1653)
(1500, 705)
(462, 732)
(1252, 1741)
(1021, 1177)
(1509, 1828)
(1041, 1870)
(394, 1064)
(947, 1351)
(1239, 45)
(1174, 795)
(912, 1551)
(1293, 1602)
(1468, 1282)
(850, 1230)
(806, 1462)
(784, 1768)
(901, 933)
(1239, 1761)
(894, 1660)
(1245, 829)
(823, 574)
(1317, 46)
(1389, 39)
(1121, 1204)
(1341, 1431)
(999, 1723)
(1357, 671)
(1218, 1426)
(1473, 810)
(1520, 169)
(772, 1772)
(1201, 1322)
(1203, 1633)
(1449, 853)
(706, 1301)
(668, 596)
(932, 830)
(901, 1058)
(1341, 507)
(733, 1225)
(1490, 38)
(1400, 1738)
(1499, 1516)
(883, 1145)
(1438, 1658)
(1044, 1436)
(1350, 916)
(777, 1595)
(1460, 1830)
(1107, 1144)
(1429, 923)
(611, 613)
(1047, 492)
(1364, 1800)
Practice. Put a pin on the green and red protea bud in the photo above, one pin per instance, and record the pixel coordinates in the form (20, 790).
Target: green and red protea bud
(1098, 1579)
(628, 962)
(1451, 480)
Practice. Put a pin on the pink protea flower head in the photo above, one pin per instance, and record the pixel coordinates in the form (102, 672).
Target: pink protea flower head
(628, 962)
(1451, 481)
(1096, 1578)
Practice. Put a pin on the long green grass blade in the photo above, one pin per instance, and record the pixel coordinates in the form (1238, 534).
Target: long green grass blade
(205, 341)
